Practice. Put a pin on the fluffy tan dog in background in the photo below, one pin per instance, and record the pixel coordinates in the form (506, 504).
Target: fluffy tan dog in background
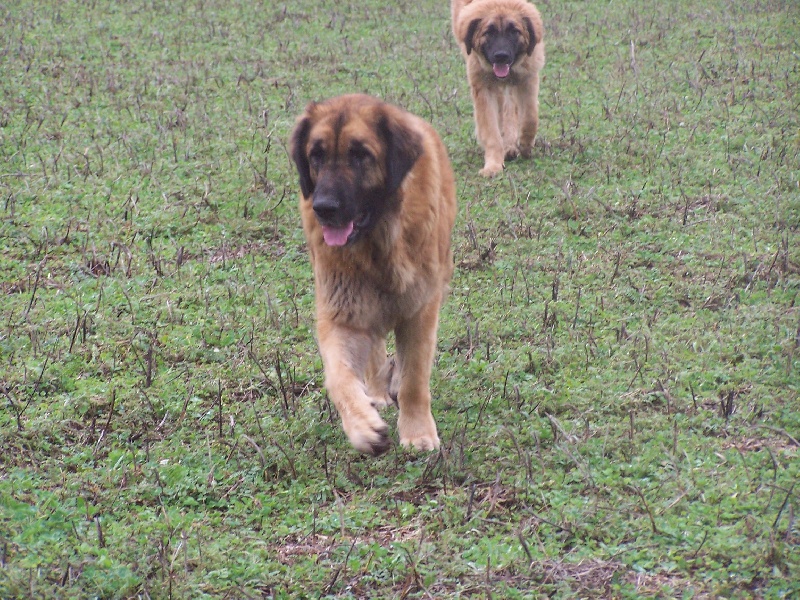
(378, 205)
(502, 43)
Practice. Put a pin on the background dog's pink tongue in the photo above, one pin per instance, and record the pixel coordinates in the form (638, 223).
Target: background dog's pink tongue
(501, 70)
(337, 236)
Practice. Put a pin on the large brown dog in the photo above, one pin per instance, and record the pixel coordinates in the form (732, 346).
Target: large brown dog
(378, 205)
(502, 42)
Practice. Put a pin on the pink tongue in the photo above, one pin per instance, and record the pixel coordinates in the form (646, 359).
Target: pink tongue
(337, 236)
(501, 70)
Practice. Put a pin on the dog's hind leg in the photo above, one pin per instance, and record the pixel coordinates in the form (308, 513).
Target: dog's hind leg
(380, 369)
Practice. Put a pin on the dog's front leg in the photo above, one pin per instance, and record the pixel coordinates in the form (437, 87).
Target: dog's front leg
(509, 124)
(528, 103)
(345, 356)
(487, 128)
(416, 345)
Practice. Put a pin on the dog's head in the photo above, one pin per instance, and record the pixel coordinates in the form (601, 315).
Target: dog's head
(352, 154)
(502, 38)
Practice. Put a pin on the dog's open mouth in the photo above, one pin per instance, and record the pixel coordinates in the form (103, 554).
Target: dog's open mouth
(339, 236)
(501, 70)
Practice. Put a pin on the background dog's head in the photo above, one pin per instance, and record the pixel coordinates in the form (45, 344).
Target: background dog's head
(501, 37)
(352, 154)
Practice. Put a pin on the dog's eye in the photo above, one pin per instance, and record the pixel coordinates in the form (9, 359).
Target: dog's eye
(511, 30)
(491, 30)
(359, 154)
(316, 157)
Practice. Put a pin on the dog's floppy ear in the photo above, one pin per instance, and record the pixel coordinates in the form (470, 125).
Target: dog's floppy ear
(403, 148)
(298, 143)
(531, 35)
(471, 29)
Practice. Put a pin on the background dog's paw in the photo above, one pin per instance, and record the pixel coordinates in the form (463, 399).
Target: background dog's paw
(512, 153)
(369, 434)
(491, 170)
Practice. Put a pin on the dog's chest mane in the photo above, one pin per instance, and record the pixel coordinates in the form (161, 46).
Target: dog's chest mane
(358, 298)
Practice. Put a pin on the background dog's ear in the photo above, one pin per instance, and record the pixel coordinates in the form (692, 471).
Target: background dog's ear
(403, 148)
(531, 35)
(298, 143)
(473, 26)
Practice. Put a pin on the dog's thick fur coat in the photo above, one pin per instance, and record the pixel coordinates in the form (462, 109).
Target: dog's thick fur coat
(378, 205)
(503, 44)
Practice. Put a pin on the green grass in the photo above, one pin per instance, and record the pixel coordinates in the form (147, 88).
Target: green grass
(619, 358)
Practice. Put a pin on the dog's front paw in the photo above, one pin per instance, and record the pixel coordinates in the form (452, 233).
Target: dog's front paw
(419, 434)
(367, 433)
(422, 444)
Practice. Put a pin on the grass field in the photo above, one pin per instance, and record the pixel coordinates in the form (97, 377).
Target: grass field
(617, 385)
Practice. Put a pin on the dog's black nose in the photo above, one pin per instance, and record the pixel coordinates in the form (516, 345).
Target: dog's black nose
(325, 207)
(501, 58)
